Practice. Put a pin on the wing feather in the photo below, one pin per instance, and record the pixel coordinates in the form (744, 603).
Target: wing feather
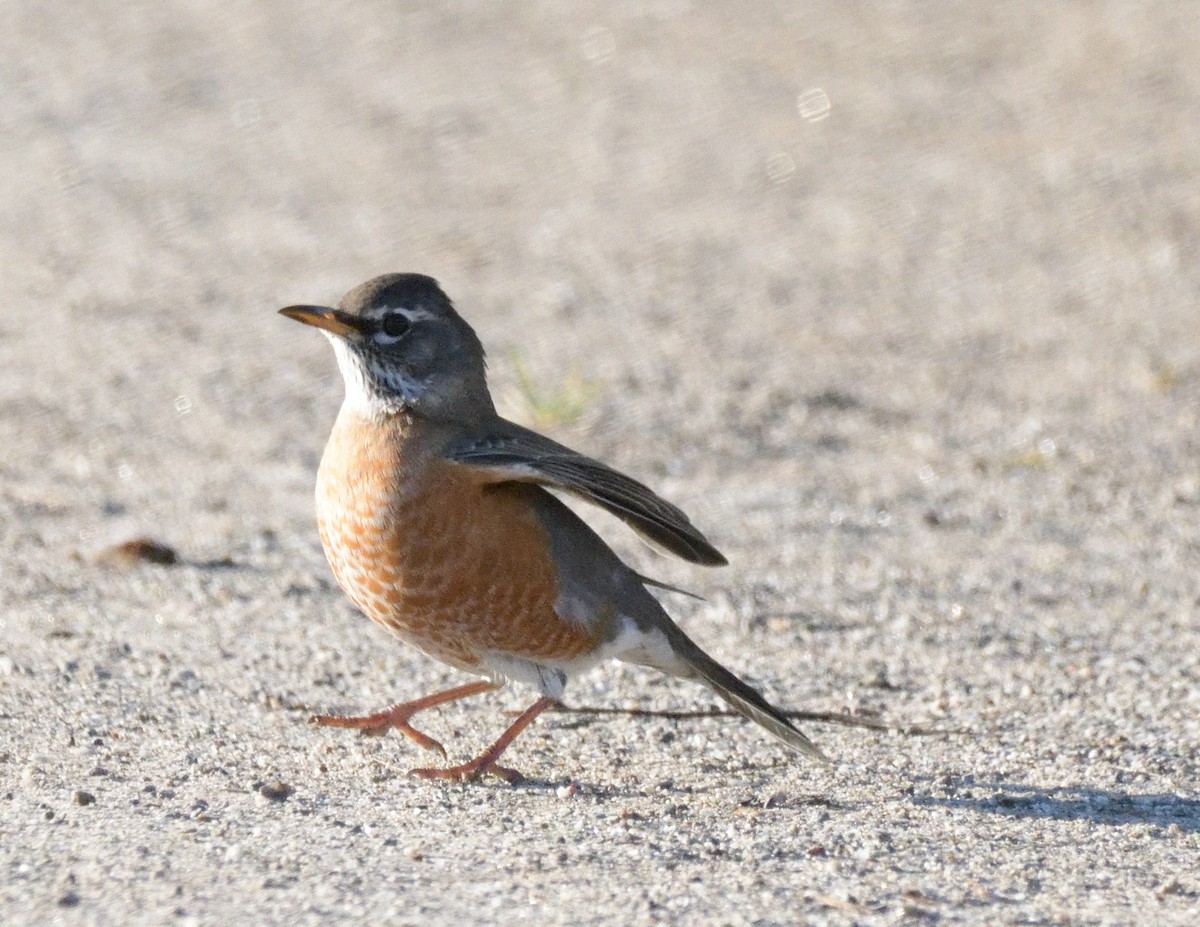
(513, 453)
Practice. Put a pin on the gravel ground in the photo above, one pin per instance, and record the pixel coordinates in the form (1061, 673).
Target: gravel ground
(895, 300)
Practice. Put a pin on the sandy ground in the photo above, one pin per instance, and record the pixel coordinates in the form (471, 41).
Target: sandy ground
(896, 300)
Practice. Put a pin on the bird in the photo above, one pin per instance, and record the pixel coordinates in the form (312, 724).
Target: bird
(440, 522)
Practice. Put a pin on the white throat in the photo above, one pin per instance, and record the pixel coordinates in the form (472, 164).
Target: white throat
(363, 394)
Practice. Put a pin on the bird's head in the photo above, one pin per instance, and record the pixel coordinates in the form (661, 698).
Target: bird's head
(402, 347)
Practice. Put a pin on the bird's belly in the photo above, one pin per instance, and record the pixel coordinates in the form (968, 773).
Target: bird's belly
(459, 569)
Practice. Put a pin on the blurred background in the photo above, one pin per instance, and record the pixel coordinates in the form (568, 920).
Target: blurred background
(897, 300)
(676, 228)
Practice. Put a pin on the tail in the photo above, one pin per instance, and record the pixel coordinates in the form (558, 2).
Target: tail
(740, 696)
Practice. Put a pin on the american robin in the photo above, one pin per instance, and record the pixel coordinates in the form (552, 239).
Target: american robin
(436, 519)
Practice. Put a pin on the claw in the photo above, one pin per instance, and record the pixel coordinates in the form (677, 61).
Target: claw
(485, 764)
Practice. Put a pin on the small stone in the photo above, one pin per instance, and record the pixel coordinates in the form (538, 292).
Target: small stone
(566, 791)
(68, 899)
(81, 797)
(1171, 886)
(414, 854)
(275, 790)
(138, 550)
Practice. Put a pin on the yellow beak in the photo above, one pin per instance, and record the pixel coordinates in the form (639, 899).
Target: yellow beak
(337, 323)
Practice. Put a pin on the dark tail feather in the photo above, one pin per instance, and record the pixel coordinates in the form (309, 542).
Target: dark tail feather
(744, 699)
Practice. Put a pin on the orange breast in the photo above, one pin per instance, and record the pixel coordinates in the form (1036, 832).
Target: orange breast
(453, 566)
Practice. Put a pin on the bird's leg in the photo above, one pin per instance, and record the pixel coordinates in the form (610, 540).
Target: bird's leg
(399, 715)
(485, 763)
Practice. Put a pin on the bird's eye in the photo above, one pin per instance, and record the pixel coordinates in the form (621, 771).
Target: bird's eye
(395, 325)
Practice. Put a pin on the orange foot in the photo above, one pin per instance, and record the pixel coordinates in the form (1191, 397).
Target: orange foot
(486, 763)
(398, 716)
(470, 772)
(380, 723)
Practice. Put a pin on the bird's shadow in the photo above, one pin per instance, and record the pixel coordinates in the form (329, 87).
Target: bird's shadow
(1104, 807)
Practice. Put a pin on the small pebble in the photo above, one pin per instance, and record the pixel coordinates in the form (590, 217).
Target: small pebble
(138, 550)
(275, 790)
(566, 791)
(1170, 887)
(81, 797)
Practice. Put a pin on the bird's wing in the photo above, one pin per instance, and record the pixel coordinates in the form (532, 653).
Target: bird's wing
(511, 453)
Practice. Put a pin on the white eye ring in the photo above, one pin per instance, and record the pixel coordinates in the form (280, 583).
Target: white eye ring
(410, 316)
(390, 321)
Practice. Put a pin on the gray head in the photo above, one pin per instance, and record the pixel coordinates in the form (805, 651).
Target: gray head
(402, 347)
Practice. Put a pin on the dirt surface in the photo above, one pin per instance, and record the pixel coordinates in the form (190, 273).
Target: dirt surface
(896, 300)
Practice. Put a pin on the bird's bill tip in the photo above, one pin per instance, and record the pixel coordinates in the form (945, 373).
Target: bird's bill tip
(322, 317)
